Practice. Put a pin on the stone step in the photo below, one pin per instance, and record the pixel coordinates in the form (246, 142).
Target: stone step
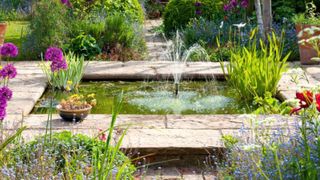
(160, 134)
(175, 173)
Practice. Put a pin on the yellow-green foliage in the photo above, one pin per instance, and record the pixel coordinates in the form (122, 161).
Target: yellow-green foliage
(130, 8)
(255, 70)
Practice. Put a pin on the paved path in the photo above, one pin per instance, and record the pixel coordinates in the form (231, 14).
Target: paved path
(156, 45)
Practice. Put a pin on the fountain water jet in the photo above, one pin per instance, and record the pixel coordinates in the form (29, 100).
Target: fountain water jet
(177, 53)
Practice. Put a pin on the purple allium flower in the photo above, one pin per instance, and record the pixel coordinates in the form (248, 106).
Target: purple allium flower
(198, 12)
(5, 93)
(54, 54)
(244, 3)
(66, 2)
(3, 106)
(226, 7)
(9, 50)
(234, 3)
(59, 65)
(9, 71)
(198, 4)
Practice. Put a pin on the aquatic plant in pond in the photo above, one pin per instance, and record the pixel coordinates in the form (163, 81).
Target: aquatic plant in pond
(254, 73)
(157, 98)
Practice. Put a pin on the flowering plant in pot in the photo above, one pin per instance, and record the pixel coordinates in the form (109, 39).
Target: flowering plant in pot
(76, 107)
(3, 28)
(308, 29)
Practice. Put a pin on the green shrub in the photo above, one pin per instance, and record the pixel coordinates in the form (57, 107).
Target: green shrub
(130, 8)
(155, 8)
(66, 155)
(253, 72)
(120, 34)
(48, 27)
(179, 12)
(84, 45)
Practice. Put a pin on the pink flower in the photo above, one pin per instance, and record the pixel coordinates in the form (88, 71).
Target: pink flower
(102, 135)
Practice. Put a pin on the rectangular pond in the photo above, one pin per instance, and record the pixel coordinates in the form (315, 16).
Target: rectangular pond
(156, 97)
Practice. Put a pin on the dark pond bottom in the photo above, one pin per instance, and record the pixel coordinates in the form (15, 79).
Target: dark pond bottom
(194, 97)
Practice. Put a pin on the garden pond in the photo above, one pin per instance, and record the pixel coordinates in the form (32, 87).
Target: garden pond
(155, 97)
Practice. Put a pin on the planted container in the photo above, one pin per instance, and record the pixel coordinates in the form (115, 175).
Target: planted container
(3, 28)
(73, 115)
(306, 50)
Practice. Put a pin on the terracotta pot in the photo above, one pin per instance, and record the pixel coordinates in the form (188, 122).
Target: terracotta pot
(73, 115)
(3, 28)
(306, 50)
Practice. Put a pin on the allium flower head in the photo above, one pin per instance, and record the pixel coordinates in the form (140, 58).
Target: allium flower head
(54, 54)
(3, 106)
(244, 3)
(198, 4)
(9, 50)
(59, 65)
(5, 93)
(66, 2)
(2, 113)
(9, 71)
(198, 12)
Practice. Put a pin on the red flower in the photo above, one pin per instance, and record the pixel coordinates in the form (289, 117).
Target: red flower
(306, 98)
(318, 102)
(295, 110)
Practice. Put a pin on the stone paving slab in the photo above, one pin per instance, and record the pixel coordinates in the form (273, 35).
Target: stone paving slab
(161, 131)
(175, 173)
(95, 121)
(313, 71)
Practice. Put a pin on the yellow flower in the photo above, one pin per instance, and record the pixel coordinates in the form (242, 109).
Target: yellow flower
(68, 88)
(0, 67)
(91, 95)
(69, 82)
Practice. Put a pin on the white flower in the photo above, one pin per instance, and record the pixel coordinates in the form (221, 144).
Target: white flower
(302, 41)
(250, 147)
(221, 24)
(241, 25)
(313, 38)
(292, 102)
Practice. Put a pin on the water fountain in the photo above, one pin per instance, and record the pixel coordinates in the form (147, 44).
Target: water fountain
(177, 53)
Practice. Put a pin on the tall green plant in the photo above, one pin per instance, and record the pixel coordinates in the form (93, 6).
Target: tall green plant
(255, 70)
(48, 27)
(103, 162)
(66, 79)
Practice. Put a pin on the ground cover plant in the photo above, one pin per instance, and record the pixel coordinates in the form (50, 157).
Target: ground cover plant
(289, 152)
(64, 155)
